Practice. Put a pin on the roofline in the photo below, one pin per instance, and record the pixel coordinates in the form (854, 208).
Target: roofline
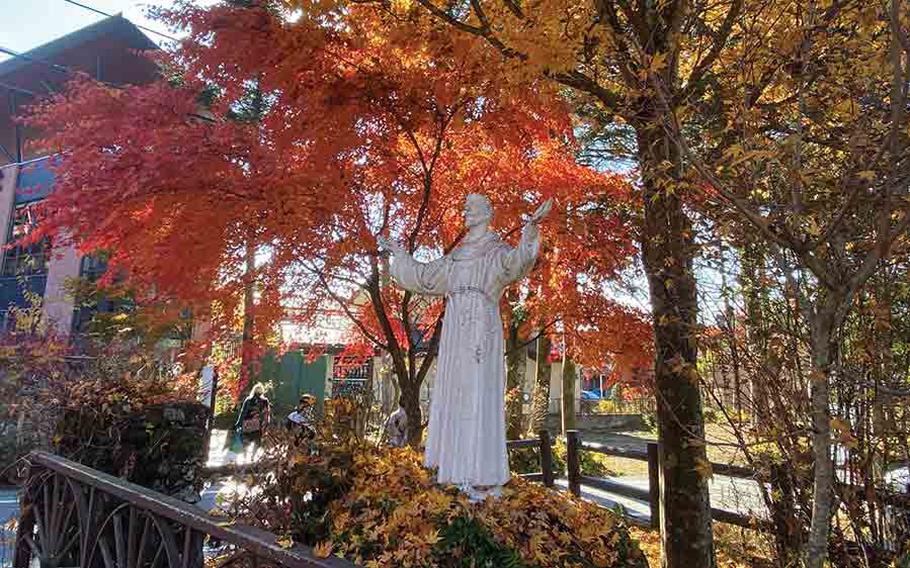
(75, 39)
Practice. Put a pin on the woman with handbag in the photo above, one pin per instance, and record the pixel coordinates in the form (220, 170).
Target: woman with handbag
(253, 418)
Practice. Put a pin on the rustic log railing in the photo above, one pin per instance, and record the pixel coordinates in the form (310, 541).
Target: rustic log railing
(576, 480)
(545, 445)
(651, 495)
(73, 515)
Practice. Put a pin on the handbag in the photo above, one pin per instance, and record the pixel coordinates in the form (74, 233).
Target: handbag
(250, 425)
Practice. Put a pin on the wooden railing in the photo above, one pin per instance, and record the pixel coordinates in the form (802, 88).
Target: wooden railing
(651, 455)
(545, 445)
(73, 515)
(576, 480)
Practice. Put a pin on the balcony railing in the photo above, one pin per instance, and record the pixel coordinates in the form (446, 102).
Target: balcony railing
(34, 180)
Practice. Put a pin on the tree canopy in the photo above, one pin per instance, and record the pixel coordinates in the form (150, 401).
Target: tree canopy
(302, 140)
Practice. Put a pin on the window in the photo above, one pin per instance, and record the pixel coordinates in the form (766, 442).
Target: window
(88, 301)
(26, 259)
(92, 266)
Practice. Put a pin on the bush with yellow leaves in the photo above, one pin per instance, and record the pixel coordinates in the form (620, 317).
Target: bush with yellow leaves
(394, 515)
(379, 507)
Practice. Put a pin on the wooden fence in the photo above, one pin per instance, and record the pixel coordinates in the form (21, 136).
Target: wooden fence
(576, 480)
(651, 455)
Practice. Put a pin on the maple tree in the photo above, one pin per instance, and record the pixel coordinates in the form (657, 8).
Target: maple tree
(362, 124)
(566, 303)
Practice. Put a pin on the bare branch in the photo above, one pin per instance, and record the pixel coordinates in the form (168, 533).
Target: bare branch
(717, 46)
(345, 308)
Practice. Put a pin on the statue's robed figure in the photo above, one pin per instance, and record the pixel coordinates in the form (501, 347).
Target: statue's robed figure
(466, 438)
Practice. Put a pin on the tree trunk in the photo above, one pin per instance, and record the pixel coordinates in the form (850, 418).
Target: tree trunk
(516, 365)
(667, 250)
(568, 395)
(822, 329)
(540, 403)
(410, 397)
(246, 341)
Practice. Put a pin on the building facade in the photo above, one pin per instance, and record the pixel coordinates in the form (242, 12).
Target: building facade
(109, 50)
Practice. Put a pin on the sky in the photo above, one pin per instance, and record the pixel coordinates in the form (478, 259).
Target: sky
(26, 24)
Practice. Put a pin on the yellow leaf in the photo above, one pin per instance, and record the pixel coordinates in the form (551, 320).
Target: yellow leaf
(704, 469)
(432, 538)
(658, 61)
(323, 549)
(867, 175)
(285, 541)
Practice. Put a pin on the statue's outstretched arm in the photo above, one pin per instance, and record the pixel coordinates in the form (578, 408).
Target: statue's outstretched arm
(421, 277)
(519, 261)
(393, 247)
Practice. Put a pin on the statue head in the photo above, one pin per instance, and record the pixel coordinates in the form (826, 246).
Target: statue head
(477, 210)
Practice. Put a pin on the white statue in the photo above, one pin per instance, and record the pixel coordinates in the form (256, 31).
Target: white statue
(466, 437)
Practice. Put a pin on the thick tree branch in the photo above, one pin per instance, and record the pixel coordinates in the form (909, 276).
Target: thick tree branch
(482, 31)
(450, 19)
(634, 17)
(394, 348)
(580, 81)
(626, 62)
(513, 6)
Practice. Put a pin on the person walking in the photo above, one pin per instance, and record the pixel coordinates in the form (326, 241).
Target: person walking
(253, 419)
(303, 419)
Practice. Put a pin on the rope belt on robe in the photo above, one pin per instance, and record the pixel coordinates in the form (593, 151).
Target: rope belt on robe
(483, 331)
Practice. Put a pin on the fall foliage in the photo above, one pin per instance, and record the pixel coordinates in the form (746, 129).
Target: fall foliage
(802, 105)
(380, 507)
(302, 141)
(249, 184)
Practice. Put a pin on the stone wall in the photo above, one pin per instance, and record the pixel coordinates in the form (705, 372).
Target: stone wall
(160, 446)
(600, 423)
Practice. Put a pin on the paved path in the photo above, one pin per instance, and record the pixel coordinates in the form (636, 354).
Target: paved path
(618, 439)
(637, 511)
(731, 494)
